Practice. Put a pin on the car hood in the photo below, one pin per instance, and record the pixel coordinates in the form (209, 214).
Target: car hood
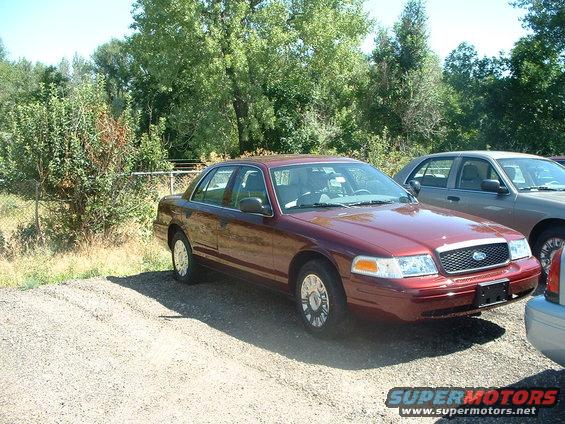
(404, 229)
(552, 196)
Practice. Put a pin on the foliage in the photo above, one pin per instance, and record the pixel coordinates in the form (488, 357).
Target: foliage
(243, 74)
(220, 78)
(405, 95)
(81, 155)
(511, 103)
(112, 60)
(3, 52)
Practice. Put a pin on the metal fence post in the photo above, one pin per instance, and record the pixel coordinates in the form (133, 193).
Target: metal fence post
(171, 182)
(37, 223)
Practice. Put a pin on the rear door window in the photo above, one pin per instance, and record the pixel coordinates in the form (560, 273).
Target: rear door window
(433, 172)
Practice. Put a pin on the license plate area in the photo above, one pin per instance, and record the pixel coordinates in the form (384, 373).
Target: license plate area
(491, 293)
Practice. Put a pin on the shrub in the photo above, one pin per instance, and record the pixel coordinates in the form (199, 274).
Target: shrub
(82, 155)
(387, 153)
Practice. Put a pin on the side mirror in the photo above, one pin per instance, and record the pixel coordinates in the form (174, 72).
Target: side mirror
(415, 186)
(254, 205)
(493, 186)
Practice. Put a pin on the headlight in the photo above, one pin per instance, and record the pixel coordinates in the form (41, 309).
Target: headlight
(519, 249)
(404, 266)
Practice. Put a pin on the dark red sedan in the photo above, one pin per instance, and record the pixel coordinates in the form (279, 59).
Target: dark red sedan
(342, 238)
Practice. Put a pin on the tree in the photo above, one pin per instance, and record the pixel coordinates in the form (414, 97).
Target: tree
(19, 83)
(525, 106)
(405, 94)
(81, 155)
(3, 52)
(546, 18)
(113, 60)
(469, 80)
(244, 73)
(536, 100)
(513, 102)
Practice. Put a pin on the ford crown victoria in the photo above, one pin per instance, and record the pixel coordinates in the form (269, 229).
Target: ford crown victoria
(342, 239)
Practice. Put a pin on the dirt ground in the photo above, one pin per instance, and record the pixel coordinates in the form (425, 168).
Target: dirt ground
(147, 349)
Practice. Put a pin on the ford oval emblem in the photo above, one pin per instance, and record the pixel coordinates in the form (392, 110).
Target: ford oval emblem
(479, 256)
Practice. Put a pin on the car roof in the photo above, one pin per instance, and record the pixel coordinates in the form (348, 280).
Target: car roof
(493, 154)
(277, 160)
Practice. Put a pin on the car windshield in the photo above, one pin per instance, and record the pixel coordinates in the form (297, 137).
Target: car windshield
(531, 174)
(334, 185)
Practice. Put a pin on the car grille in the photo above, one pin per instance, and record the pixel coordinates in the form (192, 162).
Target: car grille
(459, 261)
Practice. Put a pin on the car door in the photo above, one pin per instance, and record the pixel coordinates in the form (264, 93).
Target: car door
(467, 195)
(245, 239)
(202, 220)
(433, 175)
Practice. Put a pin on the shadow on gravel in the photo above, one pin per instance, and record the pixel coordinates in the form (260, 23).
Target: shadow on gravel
(548, 378)
(268, 320)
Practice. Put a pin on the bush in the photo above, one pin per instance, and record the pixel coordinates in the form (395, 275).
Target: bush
(82, 155)
(388, 154)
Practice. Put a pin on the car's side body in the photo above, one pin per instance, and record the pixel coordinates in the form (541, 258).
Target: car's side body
(545, 320)
(530, 213)
(270, 249)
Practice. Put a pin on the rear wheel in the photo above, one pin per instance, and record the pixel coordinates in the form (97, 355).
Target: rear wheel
(547, 243)
(185, 267)
(321, 300)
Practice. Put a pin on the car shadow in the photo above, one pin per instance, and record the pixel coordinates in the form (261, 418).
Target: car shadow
(546, 379)
(268, 320)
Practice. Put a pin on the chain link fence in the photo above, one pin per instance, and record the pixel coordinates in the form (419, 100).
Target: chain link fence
(24, 207)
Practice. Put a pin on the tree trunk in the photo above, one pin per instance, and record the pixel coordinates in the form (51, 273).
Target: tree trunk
(241, 110)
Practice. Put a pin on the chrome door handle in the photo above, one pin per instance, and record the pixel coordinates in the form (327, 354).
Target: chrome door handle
(453, 198)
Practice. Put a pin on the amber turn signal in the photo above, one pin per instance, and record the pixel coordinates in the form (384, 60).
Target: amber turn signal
(366, 265)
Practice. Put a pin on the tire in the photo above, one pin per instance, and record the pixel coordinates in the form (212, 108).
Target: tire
(185, 268)
(548, 242)
(324, 312)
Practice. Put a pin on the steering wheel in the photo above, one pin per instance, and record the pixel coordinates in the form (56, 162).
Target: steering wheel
(303, 196)
(362, 191)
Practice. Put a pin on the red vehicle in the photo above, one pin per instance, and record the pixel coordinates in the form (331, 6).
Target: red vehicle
(343, 239)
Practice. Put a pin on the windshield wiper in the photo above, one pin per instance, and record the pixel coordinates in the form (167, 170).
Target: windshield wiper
(541, 188)
(320, 205)
(371, 202)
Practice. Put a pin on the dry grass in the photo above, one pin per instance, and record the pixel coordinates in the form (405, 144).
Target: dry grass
(14, 212)
(42, 266)
(29, 267)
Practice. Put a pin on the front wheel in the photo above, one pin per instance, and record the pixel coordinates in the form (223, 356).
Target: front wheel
(547, 243)
(185, 267)
(321, 300)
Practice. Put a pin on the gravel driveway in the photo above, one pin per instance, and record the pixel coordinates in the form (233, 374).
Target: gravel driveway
(148, 349)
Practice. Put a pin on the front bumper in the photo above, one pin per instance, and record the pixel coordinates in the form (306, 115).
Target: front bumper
(545, 328)
(414, 299)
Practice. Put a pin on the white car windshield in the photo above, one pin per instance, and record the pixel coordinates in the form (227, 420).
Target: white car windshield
(328, 185)
(530, 174)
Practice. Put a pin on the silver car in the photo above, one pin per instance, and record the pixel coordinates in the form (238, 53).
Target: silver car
(545, 314)
(521, 191)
